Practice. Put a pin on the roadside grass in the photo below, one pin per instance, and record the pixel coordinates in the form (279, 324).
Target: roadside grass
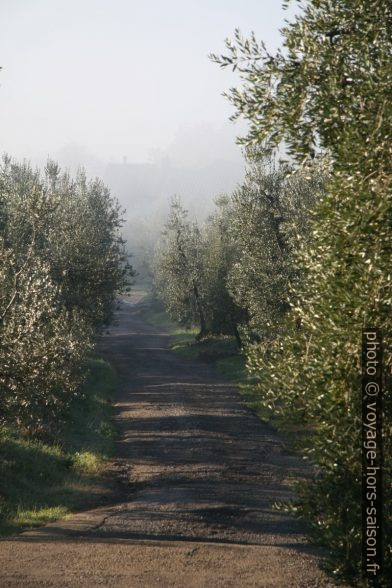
(41, 482)
(154, 313)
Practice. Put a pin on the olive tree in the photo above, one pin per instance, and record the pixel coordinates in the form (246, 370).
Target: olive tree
(271, 210)
(41, 344)
(85, 247)
(178, 269)
(61, 265)
(225, 315)
(328, 91)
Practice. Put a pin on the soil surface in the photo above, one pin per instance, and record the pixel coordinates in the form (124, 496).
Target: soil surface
(199, 473)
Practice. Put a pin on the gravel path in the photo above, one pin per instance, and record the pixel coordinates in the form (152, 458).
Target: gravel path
(199, 472)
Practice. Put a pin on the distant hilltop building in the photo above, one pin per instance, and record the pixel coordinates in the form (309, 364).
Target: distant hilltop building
(145, 187)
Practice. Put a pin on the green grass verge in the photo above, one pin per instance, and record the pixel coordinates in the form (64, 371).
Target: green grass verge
(41, 482)
(154, 313)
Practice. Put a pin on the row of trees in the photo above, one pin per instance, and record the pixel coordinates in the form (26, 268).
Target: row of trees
(232, 274)
(62, 261)
(327, 97)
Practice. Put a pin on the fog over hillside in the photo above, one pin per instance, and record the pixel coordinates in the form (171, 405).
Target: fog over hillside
(135, 82)
(127, 91)
(199, 164)
(143, 188)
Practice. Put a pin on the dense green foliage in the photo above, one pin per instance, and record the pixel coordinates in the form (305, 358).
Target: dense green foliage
(220, 253)
(233, 273)
(178, 269)
(329, 92)
(61, 264)
(270, 212)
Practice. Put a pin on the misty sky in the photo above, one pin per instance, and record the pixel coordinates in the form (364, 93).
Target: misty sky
(111, 78)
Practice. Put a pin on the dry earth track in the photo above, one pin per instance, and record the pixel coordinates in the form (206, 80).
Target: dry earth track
(199, 472)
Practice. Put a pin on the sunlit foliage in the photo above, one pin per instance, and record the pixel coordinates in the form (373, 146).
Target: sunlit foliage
(329, 91)
(61, 264)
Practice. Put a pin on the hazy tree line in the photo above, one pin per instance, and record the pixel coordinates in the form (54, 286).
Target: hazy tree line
(62, 262)
(302, 261)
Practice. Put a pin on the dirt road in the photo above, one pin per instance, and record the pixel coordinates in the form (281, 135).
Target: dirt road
(199, 473)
